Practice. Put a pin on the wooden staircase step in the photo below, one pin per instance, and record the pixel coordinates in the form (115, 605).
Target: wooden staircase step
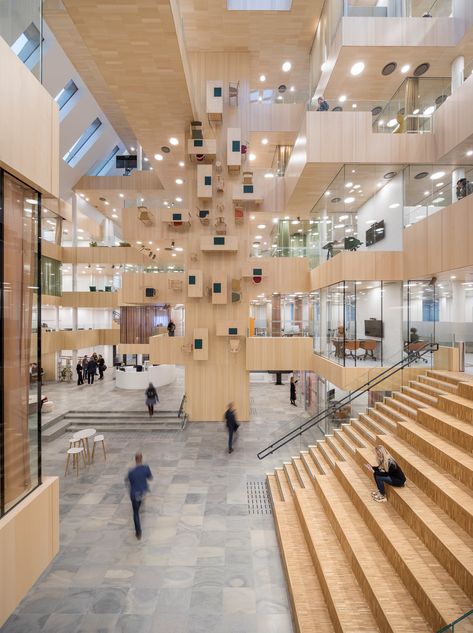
(386, 409)
(319, 459)
(372, 423)
(354, 436)
(336, 447)
(304, 478)
(283, 484)
(382, 587)
(408, 401)
(438, 384)
(436, 593)
(458, 406)
(419, 395)
(310, 465)
(382, 419)
(363, 429)
(291, 476)
(326, 451)
(345, 600)
(309, 608)
(427, 389)
(448, 456)
(448, 426)
(453, 377)
(452, 496)
(345, 440)
(401, 407)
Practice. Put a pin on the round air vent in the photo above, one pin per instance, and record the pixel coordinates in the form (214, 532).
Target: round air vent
(421, 69)
(335, 200)
(440, 99)
(377, 110)
(389, 175)
(421, 174)
(337, 109)
(103, 199)
(282, 88)
(165, 149)
(389, 68)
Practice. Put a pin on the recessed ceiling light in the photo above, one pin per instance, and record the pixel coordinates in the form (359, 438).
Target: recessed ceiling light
(388, 175)
(269, 174)
(252, 156)
(405, 68)
(421, 174)
(327, 193)
(353, 105)
(158, 157)
(145, 159)
(178, 199)
(439, 184)
(179, 249)
(260, 98)
(376, 110)
(339, 226)
(132, 149)
(179, 181)
(389, 68)
(357, 68)
(258, 237)
(264, 141)
(262, 78)
(391, 123)
(286, 67)
(437, 175)
(122, 195)
(114, 215)
(429, 110)
(395, 205)
(349, 200)
(261, 226)
(342, 98)
(81, 195)
(286, 217)
(421, 69)
(469, 152)
(292, 89)
(348, 185)
(182, 163)
(453, 277)
(252, 217)
(173, 140)
(173, 254)
(138, 242)
(356, 186)
(426, 193)
(324, 67)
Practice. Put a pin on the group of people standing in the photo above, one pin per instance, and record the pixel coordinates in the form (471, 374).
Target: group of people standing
(88, 368)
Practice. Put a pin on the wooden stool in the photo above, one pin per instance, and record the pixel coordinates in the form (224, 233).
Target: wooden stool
(99, 438)
(75, 451)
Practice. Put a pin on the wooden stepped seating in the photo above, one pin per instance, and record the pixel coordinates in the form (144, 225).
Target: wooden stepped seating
(308, 603)
(406, 565)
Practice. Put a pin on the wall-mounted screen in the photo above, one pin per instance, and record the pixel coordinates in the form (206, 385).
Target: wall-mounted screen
(126, 162)
(374, 328)
(375, 233)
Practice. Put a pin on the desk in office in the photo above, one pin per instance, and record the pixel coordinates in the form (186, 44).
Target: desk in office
(342, 345)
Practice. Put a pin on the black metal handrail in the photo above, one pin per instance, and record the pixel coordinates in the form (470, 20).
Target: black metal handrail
(316, 419)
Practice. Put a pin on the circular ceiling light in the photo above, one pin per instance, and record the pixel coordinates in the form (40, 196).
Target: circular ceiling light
(421, 174)
(389, 175)
(262, 78)
(437, 175)
(173, 140)
(342, 98)
(158, 157)
(440, 99)
(292, 89)
(165, 149)
(282, 88)
(377, 110)
(269, 174)
(261, 226)
(178, 199)
(252, 157)
(349, 200)
(335, 200)
(469, 152)
(421, 69)
(264, 141)
(428, 111)
(324, 67)
(405, 68)
(286, 67)
(395, 205)
(389, 68)
(357, 68)
(391, 123)
(179, 181)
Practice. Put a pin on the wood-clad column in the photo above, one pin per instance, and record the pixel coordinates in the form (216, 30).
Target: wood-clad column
(276, 315)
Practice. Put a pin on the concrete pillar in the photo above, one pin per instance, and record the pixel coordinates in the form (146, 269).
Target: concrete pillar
(108, 232)
(139, 155)
(74, 219)
(457, 68)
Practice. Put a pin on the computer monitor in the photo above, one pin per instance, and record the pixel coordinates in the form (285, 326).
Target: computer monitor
(374, 328)
(128, 161)
(375, 233)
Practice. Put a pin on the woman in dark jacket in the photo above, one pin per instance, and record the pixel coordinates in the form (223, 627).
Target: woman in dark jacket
(91, 369)
(151, 398)
(80, 380)
(102, 367)
(387, 471)
(293, 391)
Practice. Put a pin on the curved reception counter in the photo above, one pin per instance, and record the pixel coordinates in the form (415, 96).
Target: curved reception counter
(159, 375)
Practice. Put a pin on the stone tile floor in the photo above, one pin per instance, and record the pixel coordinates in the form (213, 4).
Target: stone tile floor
(204, 564)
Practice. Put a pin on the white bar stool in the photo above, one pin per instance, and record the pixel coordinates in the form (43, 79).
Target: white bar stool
(75, 451)
(97, 439)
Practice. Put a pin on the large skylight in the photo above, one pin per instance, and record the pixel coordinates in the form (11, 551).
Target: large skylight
(259, 5)
(66, 94)
(100, 168)
(26, 47)
(83, 144)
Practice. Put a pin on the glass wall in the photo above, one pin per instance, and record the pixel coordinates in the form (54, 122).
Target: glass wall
(51, 282)
(20, 365)
(21, 26)
(398, 9)
(283, 315)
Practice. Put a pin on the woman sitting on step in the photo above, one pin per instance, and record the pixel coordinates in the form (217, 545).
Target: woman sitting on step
(387, 471)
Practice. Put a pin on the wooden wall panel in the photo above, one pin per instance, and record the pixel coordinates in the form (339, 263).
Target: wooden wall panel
(137, 323)
(279, 353)
(135, 284)
(87, 300)
(29, 120)
(200, 339)
(48, 249)
(56, 341)
(219, 289)
(103, 255)
(358, 266)
(415, 250)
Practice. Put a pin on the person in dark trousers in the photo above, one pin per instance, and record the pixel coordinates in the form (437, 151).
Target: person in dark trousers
(293, 391)
(171, 328)
(151, 398)
(386, 471)
(101, 365)
(137, 480)
(232, 424)
(85, 362)
(323, 105)
(91, 369)
(80, 380)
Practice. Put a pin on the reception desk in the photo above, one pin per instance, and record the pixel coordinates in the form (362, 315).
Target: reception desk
(159, 375)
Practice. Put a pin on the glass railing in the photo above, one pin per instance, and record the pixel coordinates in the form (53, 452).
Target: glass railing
(464, 624)
(349, 105)
(21, 26)
(402, 9)
(411, 108)
(280, 94)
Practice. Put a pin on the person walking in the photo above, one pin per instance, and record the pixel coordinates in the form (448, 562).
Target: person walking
(171, 328)
(91, 369)
(137, 480)
(386, 471)
(151, 398)
(232, 424)
(102, 366)
(293, 391)
(80, 380)
(85, 362)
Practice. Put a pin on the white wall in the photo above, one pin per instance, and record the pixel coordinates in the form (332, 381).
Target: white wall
(377, 209)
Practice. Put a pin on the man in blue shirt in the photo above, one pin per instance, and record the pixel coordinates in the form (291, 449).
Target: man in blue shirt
(137, 480)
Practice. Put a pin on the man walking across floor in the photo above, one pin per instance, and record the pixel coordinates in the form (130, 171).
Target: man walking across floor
(232, 424)
(137, 480)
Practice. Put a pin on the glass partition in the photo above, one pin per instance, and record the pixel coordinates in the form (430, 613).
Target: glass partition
(20, 362)
(283, 315)
(21, 26)
(51, 277)
(398, 9)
